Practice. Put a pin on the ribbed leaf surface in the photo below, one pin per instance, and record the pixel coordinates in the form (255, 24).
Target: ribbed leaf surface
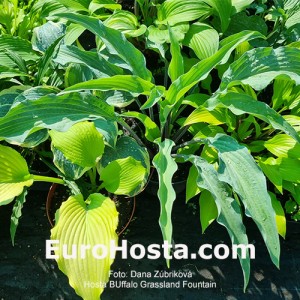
(258, 67)
(88, 223)
(82, 144)
(52, 112)
(115, 42)
(123, 176)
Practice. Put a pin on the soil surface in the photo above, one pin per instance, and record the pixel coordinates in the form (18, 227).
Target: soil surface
(26, 274)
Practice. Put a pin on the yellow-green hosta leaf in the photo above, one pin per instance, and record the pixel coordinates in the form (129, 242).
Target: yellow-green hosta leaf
(107, 4)
(270, 167)
(82, 144)
(161, 35)
(289, 169)
(192, 189)
(240, 5)
(123, 176)
(203, 39)
(280, 216)
(124, 148)
(69, 169)
(283, 145)
(208, 209)
(126, 22)
(202, 114)
(294, 121)
(86, 223)
(173, 12)
(14, 174)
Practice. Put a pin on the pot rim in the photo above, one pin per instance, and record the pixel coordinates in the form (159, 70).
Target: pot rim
(50, 196)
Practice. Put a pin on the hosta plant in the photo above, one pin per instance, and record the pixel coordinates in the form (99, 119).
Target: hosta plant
(221, 168)
(199, 105)
(93, 170)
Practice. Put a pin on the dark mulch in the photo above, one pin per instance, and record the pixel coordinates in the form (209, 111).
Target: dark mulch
(26, 274)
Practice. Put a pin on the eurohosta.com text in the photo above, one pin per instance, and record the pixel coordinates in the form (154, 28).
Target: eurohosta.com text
(154, 251)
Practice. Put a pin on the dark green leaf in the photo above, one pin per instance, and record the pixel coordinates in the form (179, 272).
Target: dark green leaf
(238, 168)
(115, 43)
(16, 214)
(52, 112)
(258, 67)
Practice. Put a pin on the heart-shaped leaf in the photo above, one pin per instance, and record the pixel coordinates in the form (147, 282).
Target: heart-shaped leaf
(87, 223)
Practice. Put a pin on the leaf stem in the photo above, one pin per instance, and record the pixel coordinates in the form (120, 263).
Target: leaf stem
(92, 176)
(48, 179)
(129, 129)
(180, 133)
(191, 142)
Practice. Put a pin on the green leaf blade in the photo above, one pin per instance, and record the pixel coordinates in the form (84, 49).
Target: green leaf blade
(115, 42)
(238, 168)
(129, 83)
(241, 103)
(14, 174)
(16, 214)
(176, 66)
(229, 214)
(201, 70)
(258, 67)
(58, 112)
(152, 131)
(208, 209)
(166, 167)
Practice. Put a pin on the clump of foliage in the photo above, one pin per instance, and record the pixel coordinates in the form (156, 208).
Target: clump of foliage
(213, 86)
